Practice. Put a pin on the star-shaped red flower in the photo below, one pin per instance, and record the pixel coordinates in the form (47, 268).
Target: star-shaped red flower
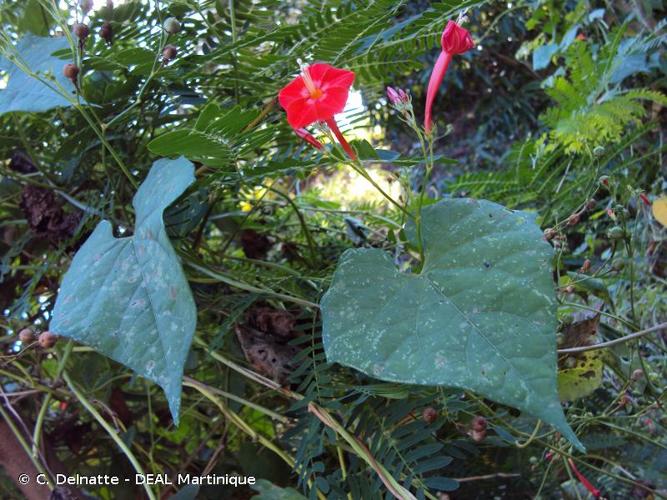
(316, 95)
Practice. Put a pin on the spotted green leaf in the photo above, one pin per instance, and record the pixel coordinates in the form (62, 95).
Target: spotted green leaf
(128, 297)
(25, 92)
(583, 378)
(481, 314)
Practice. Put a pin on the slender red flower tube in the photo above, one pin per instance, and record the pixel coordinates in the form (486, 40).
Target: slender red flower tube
(339, 135)
(316, 95)
(455, 40)
(583, 480)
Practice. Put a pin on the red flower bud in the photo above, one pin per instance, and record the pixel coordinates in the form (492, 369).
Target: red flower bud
(306, 136)
(392, 95)
(397, 96)
(456, 40)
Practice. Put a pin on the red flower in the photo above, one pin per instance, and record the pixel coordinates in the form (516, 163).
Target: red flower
(455, 40)
(316, 95)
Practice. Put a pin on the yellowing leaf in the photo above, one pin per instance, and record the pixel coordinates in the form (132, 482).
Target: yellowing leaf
(659, 209)
(583, 378)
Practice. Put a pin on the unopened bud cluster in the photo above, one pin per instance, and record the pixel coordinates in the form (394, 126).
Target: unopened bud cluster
(400, 99)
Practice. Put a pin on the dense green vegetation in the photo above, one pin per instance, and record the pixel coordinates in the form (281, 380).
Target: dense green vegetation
(188, 286)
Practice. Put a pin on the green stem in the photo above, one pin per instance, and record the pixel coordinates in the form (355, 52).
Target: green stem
(19, 437)
(110, 430)
(251, 288)
(37, 433)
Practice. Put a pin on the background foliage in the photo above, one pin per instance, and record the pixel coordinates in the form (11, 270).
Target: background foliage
(556, 95)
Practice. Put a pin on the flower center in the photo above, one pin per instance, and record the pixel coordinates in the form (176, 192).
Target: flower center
(314, 91)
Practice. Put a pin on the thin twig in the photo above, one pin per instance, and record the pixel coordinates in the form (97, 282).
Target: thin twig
(498, 475)
(609, 343)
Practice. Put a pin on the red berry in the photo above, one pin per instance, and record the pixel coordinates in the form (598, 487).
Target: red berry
(47, 339)
(550, 234)
(171, 25)
(586, 266)
(81, 31)
(106, 32)
(71, 71)
(26, 335)
(573, 220)
(477, 436)
(479, 424)
(169, 53)
(429, 414)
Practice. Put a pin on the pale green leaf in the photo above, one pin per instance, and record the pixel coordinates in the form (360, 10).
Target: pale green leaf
(269, 491)
(481, 315)
(27, 93)
(128, 298)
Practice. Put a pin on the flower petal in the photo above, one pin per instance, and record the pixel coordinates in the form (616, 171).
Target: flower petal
(300, 113)
(332, 102)
(294, 90)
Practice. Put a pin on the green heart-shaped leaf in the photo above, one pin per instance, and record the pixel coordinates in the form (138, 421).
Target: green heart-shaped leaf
(479, 316)
(128, 298)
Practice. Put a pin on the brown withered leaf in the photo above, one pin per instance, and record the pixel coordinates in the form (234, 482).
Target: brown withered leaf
(20, 162)
(268, 356)
(254, 244)
(45, 214)
(272, 321)
(581, 331)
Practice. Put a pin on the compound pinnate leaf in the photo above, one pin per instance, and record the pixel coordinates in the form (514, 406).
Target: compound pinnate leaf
(128, 297)
(479, 316)
(23, 91)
